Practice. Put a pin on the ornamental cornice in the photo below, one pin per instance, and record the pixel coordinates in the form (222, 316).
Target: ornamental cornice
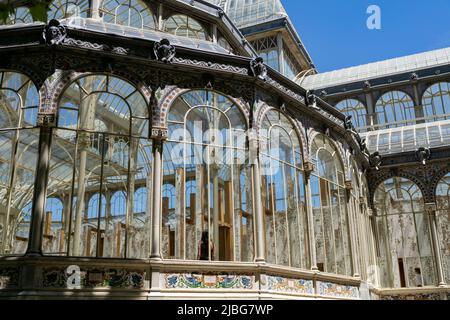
(211, 65)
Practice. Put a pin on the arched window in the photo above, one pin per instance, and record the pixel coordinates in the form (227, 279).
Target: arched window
(130, 13)
(168, 191)
(354, 108)
(185, 26)
(101, 146)
(203, 160)
(443, 222)
(405, 249)
(395, 109)
(65, 9)
(19, 101)
(94, 209)
(119, 204)
(283, 193)
(55, 207)
(20, 15)
(329, 209)
(436, 101)
(140, 201)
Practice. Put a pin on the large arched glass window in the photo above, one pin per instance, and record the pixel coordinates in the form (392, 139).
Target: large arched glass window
(185, 26)
(356, 109)
(283, 193)
(394, 109)
(443, 222)
(405, 249)
(131, 13)
(101, 147)
(19, 141)
(436, 101)
(331, 224)
(204, 167)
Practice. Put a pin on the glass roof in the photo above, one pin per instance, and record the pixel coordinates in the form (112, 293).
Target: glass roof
(245, 13)
(409, 138)
(377, 69)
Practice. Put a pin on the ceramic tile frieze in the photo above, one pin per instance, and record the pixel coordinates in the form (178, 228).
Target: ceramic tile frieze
(280, 284)
(96, 278)
(337, 290)
(204, 281)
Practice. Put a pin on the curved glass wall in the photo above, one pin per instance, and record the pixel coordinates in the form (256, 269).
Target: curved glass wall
(331, 224)
(436, 102)
(394, 109)
(19, 140)
(443, 222)
(405, 249)
(100, 162)
(283, 193)
(207, 211)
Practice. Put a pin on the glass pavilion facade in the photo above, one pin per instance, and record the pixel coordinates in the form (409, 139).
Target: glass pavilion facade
(145, 146)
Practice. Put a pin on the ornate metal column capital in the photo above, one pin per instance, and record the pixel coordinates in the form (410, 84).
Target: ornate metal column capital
(309, 168)
(159, 133)
(349, 185)
(46, 116)
(430, 208)
(46, 119)
(253, 145)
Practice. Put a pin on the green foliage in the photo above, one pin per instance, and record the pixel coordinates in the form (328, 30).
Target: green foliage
(5, 10)
(38, 10)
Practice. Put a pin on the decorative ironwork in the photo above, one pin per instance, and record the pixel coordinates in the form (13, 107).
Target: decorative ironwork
(54, 33)
(375, 160)
(46, 119)
(258, 68)
(423, 155)
(164, 51)
(159, 133)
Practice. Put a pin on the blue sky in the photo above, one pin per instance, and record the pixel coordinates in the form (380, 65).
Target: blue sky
(336, 36)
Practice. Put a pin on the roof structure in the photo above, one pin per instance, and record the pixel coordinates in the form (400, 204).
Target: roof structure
(377, 69)
(254, 17)
(251, 12)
